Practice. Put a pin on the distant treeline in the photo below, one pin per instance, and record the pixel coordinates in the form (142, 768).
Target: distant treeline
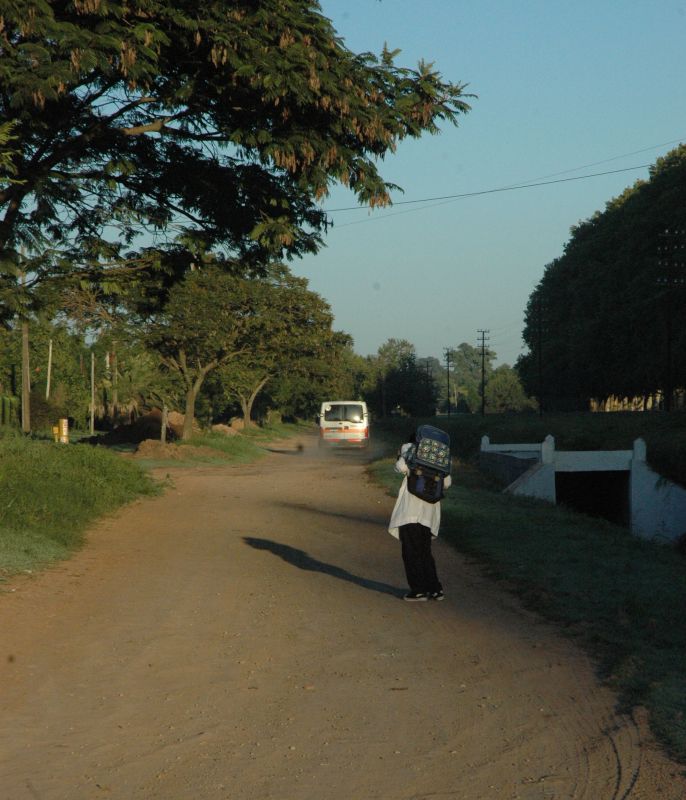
(607, 319)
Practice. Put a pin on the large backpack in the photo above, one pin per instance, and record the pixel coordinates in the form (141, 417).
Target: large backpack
(429, 462)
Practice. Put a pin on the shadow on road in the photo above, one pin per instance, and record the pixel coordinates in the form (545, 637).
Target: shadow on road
(351, 454)
(379, 519)
(300, 559)
(298, 450)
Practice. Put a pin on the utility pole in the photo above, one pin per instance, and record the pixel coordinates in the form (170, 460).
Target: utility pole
(25, 367)
(447, 372)
(25, 378)
(47, 382)
(671, 260)
(483, 337)
(92, 415)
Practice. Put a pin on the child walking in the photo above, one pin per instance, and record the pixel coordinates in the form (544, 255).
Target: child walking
(415, 523)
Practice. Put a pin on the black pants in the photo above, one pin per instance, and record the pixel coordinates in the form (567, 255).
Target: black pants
(420, 566)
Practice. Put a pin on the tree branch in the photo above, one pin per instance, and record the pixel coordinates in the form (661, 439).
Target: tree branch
(152, 127)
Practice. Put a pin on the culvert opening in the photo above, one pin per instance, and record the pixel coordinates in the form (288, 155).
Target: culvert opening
(600, 494)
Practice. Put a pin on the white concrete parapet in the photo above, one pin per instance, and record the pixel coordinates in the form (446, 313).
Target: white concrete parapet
(510, 449)
(593, 460)
(548, 450)
(657, 506)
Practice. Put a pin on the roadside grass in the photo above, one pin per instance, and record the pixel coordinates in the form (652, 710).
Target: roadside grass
(218, 448)
(245, 447)
(238, 449)
(277, 430)
(50, 493)
(622, 598)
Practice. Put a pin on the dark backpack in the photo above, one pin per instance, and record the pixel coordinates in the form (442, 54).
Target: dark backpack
(429, 462)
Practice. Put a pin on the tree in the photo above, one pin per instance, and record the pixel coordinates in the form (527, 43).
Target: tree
(389, 357)
(292, 329)
(398, 382)
(343, 373)
(465, 361)
(209, 319)
(334, 371)
(504, 392)
(606, 319)
(69, 392)
(410, 389)
(230, 119)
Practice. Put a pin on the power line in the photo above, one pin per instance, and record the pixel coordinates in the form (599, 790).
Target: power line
(604, 161)
(531, 181)
(512, 188)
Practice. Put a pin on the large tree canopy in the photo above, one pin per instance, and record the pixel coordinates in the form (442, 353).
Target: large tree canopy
(230, 118)
(396, 383)
(292, 332)
(607, 318)
(209, 319)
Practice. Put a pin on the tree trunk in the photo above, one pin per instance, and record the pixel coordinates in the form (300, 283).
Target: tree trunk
(165, 419)
(191, 394)
(247, 403)
(47, 382)
(92, 409)
(192, 389)
(246, 408)
(25, 379)
(115, 384)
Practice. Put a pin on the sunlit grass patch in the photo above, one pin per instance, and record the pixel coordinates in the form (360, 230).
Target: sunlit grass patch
(248, 445)
(51, 492)
(239, 448)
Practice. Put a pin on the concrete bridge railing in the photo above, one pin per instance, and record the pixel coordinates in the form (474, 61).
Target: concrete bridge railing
(657, 507)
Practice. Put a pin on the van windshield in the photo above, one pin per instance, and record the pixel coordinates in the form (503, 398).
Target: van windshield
(344, 413)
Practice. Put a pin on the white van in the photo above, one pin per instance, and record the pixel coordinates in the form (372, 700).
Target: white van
(344, 422)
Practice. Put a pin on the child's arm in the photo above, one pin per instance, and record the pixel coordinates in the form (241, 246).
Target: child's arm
(401, 464)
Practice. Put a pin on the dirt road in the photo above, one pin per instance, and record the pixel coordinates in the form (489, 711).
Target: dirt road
(243, 638)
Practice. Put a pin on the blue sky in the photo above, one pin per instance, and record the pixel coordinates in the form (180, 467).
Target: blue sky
(564, 90)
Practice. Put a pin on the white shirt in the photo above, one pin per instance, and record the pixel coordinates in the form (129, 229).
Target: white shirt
(409, 508)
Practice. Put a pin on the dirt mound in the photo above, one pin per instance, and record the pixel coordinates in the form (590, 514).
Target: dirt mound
(147, 426)
(175, 422)
(155, 449)
(225, 429)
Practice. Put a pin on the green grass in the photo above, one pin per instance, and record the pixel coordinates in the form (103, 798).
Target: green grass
(239, 449)
(621, 597)
(246, 447)
(218, 448)
(52, 492)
